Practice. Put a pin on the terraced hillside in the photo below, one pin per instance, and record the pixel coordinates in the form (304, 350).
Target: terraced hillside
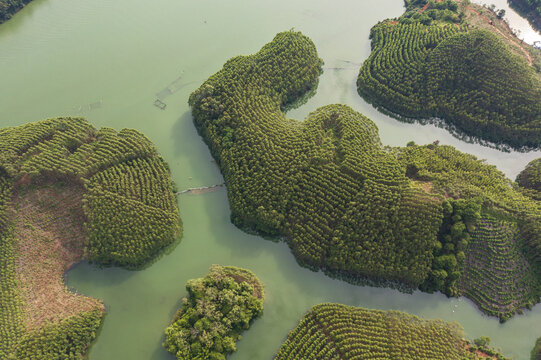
(431, 63)
(344, 203)
(69, 192)
(333, 331)
(497, 276)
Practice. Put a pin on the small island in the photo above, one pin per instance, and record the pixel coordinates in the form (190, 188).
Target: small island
(457, 62)
(427, 217)
(335, 331)
(219, 307)
(68, 193)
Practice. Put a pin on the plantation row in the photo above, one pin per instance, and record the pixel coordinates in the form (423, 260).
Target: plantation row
(128, 201)
(497, 277)
(219, 307)
(333, 331)
(469, 78)
(344, 203)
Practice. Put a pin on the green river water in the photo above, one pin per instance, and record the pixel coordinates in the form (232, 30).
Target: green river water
(107, 60)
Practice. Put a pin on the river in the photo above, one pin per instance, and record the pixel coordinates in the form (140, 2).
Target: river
(108, 60)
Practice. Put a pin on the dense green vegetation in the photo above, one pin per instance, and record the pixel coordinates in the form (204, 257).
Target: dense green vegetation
(219, 307)
(429, 64)
(530, 9)
(333, 331)
(68, 339)
(345, 203)
(326, 184)
(536, 351)
(530, 178)
(9, 7)
(128, 202)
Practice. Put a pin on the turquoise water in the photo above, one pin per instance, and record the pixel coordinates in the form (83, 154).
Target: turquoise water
(107, 61)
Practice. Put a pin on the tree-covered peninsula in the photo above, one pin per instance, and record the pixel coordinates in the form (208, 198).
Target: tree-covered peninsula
(9, 7)
(427, 217)
(334, 331)
(219, 307)
(449, 60)
(70, 192)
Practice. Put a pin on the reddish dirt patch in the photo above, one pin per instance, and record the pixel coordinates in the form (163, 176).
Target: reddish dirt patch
(49, 232)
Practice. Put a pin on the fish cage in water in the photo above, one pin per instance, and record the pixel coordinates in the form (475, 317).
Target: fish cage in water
(160, 104)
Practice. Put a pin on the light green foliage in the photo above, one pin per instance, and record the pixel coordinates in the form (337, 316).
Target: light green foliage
(219, 307)
(469, 78)
(326, 184)
(129, 204)
(345, 203)
(65, 340)
(333, 331)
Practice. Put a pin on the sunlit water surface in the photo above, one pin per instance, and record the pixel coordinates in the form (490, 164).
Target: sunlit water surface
(107, 60)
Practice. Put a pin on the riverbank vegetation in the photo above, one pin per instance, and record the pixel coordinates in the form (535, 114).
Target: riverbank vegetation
(9, 7)
(334, 331)
(530, 9)
(415, 215)
(439, 60)
(218, 308)
(56, 209)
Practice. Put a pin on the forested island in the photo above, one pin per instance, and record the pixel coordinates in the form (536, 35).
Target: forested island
(334, 331)
(9, 7)
(530, 9)
(427, 217)
(219, 307)
(458, 62)
(70, 192)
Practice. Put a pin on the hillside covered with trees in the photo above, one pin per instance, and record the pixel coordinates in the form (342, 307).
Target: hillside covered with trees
(9, 7)
(219, 307)
(70, 192)
(431, 63)
(415, 216)
(334, 331)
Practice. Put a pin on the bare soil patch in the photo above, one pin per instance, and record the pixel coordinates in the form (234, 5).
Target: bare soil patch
(50, 237)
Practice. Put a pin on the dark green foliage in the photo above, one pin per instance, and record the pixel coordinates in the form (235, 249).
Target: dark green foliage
(530, 177)
(326, 184)
(65, 340)
(536, 351)
(429, 68)
(530, 9)
(219, 307)
(333, 331)
(9, 7)
(128, 201)
(454, 237)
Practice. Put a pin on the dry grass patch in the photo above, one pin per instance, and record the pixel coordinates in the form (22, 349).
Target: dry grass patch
(49, 231)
